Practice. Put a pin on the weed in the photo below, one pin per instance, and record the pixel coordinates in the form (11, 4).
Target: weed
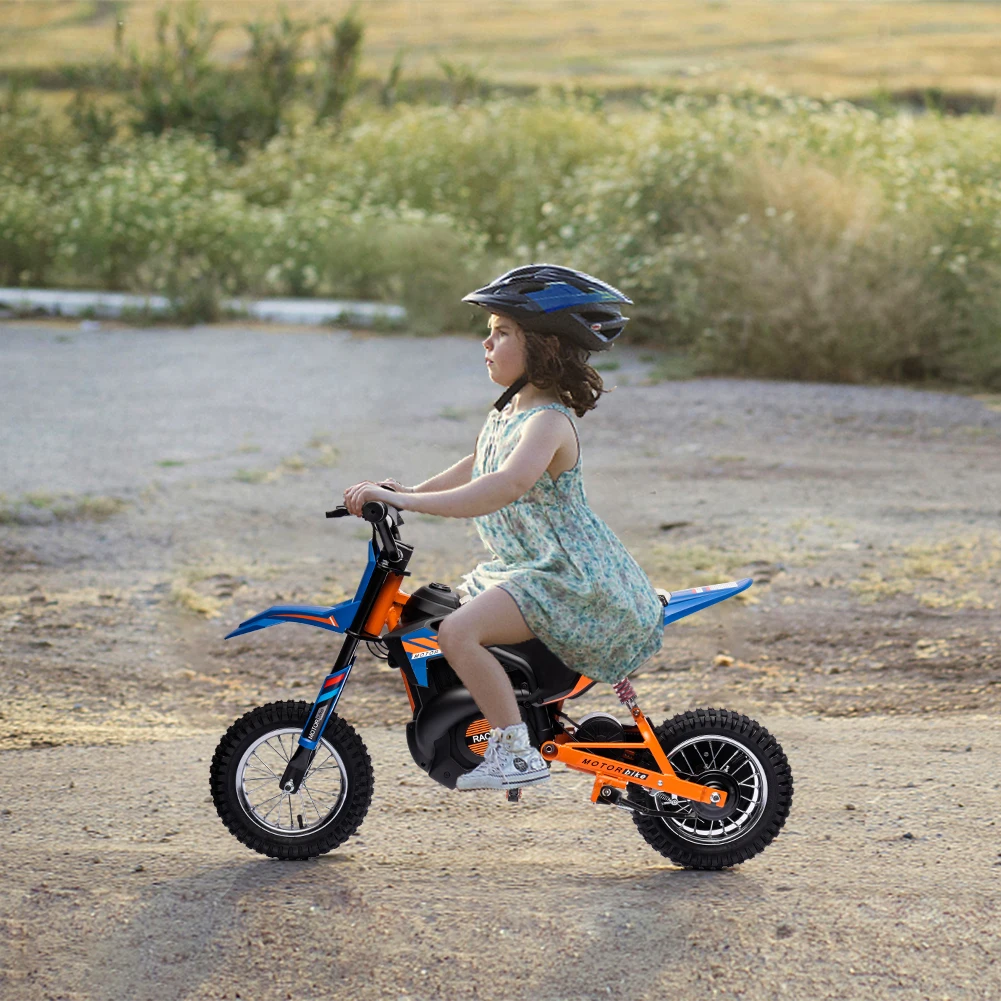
(37, 508)
(254, 476)
(206, 588)
(948, 573)
(190, 600)
(785, 238)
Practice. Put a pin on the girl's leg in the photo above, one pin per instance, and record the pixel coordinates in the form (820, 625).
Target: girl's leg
(490, 618)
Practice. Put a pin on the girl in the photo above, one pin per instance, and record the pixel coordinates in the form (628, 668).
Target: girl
(558, 572)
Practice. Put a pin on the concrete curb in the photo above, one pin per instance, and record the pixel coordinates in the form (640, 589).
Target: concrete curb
(111, 305)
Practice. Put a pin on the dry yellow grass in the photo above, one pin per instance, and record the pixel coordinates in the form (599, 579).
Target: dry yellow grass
(948, 573)
(840, 47)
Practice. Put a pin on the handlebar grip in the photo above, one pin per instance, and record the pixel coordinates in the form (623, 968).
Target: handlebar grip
(374, 511)
(339, 512)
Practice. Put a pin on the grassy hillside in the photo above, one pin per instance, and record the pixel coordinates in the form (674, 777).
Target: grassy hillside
(843, 48)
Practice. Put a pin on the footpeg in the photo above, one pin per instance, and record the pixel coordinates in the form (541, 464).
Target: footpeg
(514, 795)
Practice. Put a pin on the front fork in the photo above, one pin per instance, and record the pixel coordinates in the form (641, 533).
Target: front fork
(382, 592)
(312, 732)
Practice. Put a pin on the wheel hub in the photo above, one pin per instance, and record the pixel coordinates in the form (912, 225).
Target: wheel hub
(717, 780)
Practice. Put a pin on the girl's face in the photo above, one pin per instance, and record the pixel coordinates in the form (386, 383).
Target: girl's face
(505, 350)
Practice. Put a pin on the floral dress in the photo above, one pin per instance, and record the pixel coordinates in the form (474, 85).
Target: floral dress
(576, 585)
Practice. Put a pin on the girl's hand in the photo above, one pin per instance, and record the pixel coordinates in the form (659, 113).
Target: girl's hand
(361, 493)
(396, 485)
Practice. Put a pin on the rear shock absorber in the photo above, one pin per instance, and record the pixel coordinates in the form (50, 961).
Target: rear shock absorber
(626, 693)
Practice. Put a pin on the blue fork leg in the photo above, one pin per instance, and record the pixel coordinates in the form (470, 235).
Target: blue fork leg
(312, 732)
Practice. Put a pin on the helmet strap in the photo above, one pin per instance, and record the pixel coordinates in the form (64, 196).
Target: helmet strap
(516, 387)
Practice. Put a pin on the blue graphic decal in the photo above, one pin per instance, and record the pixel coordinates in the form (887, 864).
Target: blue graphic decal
(420, 646)
(367, 575)
(560, 295)
(323, 707)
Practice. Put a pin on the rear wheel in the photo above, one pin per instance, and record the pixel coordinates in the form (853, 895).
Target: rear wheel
(332, 799)
(723, 750)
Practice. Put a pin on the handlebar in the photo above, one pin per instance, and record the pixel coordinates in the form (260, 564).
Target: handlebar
(377, 514)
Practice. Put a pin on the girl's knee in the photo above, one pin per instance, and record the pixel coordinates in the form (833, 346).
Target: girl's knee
(451, 634)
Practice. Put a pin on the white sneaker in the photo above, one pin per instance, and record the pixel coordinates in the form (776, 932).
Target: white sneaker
(510, 762)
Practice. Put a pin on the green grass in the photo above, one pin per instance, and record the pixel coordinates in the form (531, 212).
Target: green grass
(62, 507)
(785, 238)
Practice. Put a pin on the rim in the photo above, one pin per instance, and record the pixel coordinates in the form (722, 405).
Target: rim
(292, 815)
(720, 763)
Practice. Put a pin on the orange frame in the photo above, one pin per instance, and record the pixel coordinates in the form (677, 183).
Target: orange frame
(618, 774)
(607, 771)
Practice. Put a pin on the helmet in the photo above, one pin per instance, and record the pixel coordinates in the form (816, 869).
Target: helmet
(548, 299)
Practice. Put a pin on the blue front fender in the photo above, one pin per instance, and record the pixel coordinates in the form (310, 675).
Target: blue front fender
(336, 618)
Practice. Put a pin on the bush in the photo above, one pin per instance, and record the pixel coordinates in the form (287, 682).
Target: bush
(27, 242)
(781, 238)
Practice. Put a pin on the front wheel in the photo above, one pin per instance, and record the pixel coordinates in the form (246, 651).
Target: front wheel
(333, 797)
(723, 750)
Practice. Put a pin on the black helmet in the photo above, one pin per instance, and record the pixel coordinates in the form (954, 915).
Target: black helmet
(548, 299)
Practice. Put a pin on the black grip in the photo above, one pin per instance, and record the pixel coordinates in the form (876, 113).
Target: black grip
(374, 511)
(339, 512)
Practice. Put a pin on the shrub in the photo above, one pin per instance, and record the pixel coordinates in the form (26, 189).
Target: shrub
(781, 237)
(27, 238)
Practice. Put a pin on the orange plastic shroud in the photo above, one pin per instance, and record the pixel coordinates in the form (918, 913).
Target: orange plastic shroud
(607, 771)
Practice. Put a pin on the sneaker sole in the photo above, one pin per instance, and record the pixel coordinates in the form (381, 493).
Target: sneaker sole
(526, 780)
(511, 784)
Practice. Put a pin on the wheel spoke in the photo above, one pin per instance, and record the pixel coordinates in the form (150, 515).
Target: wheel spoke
(687, 770)
(319, 816)
(266, 765)
(277, 806)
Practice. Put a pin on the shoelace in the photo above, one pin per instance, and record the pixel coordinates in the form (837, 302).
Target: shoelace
(490, 754)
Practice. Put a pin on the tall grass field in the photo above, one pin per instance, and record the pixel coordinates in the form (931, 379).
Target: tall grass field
(772, 235)
(841, 48)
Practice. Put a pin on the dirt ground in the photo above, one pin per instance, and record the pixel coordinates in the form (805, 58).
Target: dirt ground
(161, 485)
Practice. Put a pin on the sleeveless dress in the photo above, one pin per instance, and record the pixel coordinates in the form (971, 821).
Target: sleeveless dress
(575, 583)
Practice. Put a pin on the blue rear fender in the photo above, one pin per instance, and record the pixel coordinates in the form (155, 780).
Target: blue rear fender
(336, 618)
(682, 603)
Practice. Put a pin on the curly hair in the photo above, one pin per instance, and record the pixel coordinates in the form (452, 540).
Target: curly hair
(551, 363)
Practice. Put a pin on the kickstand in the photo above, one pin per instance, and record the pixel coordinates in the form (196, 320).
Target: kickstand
(513, 795)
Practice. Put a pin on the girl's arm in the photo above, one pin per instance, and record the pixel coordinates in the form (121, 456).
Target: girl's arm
(542, 436)
(454, 476)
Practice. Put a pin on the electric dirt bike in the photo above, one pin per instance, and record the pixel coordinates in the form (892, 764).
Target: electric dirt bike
(709, 788)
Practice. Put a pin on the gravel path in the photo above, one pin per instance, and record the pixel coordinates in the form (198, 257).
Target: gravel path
(120, 882)
(160, 485)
